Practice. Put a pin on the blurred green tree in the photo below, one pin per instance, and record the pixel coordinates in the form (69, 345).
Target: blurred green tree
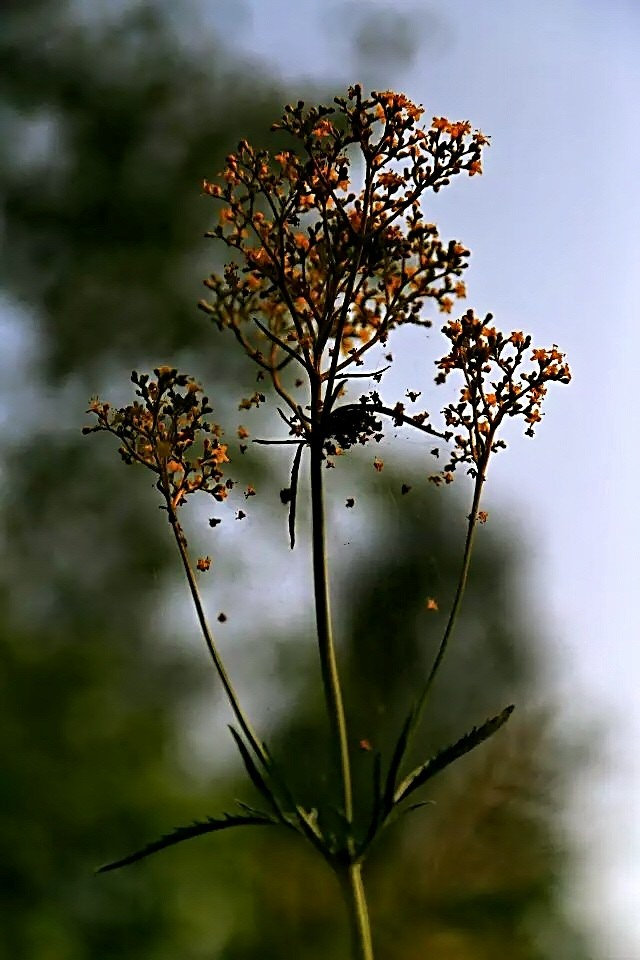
(109, 126)
(110, 121)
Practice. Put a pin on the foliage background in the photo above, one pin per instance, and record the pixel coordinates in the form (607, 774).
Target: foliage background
(110, 726)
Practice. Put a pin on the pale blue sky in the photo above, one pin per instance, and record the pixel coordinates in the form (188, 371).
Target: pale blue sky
(554, 229)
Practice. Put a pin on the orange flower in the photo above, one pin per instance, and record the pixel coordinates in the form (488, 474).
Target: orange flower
(324, 128)
(258, 256)
(517, 336)
(432, 604)
(219, 455)
(446, 305)
(458, 130)
(203, 563)
(475, 167)
(211, 188)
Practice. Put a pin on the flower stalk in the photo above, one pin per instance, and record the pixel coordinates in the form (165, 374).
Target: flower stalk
(243, 721)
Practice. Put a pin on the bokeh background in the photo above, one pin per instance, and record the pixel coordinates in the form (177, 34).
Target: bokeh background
(111, 725)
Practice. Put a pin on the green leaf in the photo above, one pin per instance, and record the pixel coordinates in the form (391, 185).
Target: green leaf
(396, 760)
(195, 829)
(275, 772)
(254, 774)
(376, 809)
(445, 757)
(309, 818)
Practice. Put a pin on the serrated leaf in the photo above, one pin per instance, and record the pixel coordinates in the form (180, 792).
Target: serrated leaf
(195, 829)
(445, 757)
(255, 776)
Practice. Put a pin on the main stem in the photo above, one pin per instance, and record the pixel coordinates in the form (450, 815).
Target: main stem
(350, 876)
(326, 648)
(353, 892)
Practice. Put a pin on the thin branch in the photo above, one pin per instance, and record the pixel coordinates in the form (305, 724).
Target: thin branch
(245, 725)
(280, 343)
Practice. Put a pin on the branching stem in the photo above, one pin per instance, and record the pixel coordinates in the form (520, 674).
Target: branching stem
(243, 721)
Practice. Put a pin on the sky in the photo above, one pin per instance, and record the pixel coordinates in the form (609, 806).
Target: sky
(554, 229)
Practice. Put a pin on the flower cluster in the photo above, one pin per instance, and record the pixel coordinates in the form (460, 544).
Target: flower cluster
(323, 271)
(495, 386)
(166, 432)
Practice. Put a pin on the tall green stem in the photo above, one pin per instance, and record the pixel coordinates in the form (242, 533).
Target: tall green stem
(326, 648)
(350, 876)
(353, 892)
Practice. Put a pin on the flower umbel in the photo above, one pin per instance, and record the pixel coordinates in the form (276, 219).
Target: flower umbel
(166, 432)
(325, 271)
(496, 385)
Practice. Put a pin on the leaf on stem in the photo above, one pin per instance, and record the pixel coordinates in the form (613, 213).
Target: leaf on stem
(396, 761)
(448, 755)
(255, 776)
(376, 809)
(195, 829)
(293, 499)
